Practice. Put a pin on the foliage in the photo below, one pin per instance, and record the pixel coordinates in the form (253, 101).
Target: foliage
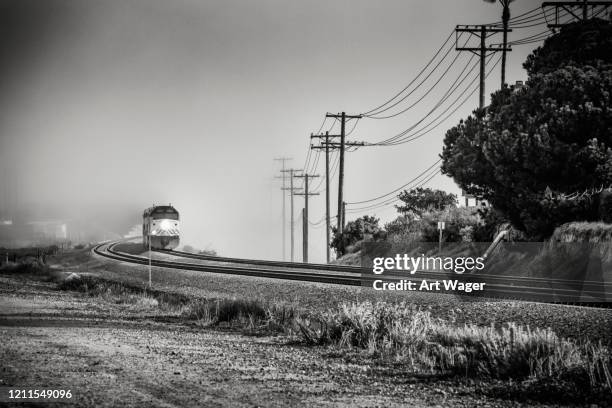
(577, 44)
(122, 293)
(605, 206)
(456, 220)
(491, 219)
(28, 266)
(425, 229)
(252, 313)
(399, 226)
(414, 336)
(353, 232)
(421, 199)
(553, 135)
(594, 232)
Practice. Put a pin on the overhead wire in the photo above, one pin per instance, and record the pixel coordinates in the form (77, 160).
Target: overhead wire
(397, 189)
(393, 200)
(400, 136)
(518, 17)
(531, 18)
(419, 100)
(457, 106)
(415, 78)
(375, 115)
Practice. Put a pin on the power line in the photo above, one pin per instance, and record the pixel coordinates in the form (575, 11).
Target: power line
(451, 86)
(525, 15)
(395, 199)
(415, 136)
(400, 137)
(570, 6)
(397, 189)
(374, 115)
(414, 79)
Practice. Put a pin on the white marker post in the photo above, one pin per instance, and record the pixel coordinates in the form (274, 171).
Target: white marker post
(149, 258)
(441, 227)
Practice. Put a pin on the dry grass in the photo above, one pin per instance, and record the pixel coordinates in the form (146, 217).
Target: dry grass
(28, 266)
(120, 293)
(405, 333)
(248, 313)
(400, 331)
(594, 232)
(411, 335)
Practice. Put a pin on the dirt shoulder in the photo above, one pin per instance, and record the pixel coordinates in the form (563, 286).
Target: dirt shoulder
(110, 355)
(143, 354)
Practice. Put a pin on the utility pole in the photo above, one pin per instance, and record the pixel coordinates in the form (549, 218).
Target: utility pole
(483, 32)
(327, 217)
(283, 160)
(292, 191)
(578, 9)
(306, 194)
(343, 117)
(505, 20)
(327, 145)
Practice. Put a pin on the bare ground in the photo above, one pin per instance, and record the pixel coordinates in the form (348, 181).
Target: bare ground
(112, 354)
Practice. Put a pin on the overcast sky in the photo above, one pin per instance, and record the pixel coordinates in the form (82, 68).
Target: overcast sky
(121, 104)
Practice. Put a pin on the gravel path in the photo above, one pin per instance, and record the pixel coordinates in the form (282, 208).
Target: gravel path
(118, 355)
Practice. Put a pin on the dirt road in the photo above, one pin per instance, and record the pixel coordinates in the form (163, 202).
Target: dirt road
(136, 355)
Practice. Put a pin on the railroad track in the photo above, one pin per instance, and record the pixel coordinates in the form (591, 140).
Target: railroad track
(542, 290)
(107, 250)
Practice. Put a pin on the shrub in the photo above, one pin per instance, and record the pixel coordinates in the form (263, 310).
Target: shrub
(274, 316)
(355, 231)
(456, 219)
(594, 232)
(605, 206)
(119, 292)
(511, 351)
(27, 266)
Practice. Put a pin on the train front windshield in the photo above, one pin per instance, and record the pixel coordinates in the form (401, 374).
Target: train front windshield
(169, 214)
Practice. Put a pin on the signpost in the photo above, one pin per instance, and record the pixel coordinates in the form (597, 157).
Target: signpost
(441, 227)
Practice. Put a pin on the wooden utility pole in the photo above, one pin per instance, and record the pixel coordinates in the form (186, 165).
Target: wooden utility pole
(483, 32)
(343, 117)
(327, 198)
(505, 20)
(578, 9)
(292, 191)
(306, 194)
(328, 146)
(283, 160)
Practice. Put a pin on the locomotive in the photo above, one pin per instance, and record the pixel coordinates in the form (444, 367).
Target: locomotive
(160, 227)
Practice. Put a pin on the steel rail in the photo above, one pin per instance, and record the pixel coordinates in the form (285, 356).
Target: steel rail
(514, 280)
(502, 290)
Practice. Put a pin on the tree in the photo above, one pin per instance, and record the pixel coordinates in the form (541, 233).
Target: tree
(536, 150)
(421, 199)
(353, 232)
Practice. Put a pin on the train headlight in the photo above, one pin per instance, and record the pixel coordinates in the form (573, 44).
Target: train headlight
(166, 224)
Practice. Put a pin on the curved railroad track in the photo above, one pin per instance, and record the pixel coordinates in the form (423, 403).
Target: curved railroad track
(542, 290)
(107, 250)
